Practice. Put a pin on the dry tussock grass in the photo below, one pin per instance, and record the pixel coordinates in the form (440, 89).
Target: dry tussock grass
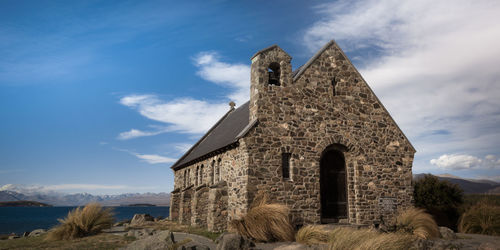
(265, 222)
(482, 218)
(312, 234)
(81, 222)
(345, 238)
(417, 222)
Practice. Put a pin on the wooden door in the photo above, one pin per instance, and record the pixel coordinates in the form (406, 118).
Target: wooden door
(333, 186)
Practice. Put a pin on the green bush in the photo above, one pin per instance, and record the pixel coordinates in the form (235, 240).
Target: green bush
(441, 199)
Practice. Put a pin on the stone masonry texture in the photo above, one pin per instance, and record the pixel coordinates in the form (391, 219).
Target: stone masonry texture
(326, 103)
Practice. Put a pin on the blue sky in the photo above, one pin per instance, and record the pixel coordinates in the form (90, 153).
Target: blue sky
(103, 96)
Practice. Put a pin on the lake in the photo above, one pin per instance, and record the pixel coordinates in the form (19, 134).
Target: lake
(26, 219)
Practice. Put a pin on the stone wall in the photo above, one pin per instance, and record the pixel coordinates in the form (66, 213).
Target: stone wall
(175, 202)
(232, 171)
(306, 115)
(217, 218)
(200, 207)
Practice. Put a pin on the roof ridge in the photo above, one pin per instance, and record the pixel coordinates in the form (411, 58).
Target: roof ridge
(264, 50)
(204, 136)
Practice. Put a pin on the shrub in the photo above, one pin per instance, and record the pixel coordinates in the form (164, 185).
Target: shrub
(417, 222)
(441, 199)
(312, 234)
(265, 222)
(81, 222)
(482, 218)
(344, 238)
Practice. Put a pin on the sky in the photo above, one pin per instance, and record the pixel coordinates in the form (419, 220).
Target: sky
(104, 96)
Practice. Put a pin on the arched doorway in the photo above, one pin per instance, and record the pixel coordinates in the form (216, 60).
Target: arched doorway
(333, 184)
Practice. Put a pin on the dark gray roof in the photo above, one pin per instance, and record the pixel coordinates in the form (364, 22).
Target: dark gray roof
(232, 126)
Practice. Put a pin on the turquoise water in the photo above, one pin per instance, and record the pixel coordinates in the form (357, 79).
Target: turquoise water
(25, 219)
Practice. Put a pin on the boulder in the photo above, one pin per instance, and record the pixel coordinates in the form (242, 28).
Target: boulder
(194, 246)
(487, 246)
(25, 234)
(141, 233)
(160, 240)
(140, 219)
(37, 232)
(447, 233)
(232, 241)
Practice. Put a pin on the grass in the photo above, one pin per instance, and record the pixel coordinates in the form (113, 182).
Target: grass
(265, 222)
(482, 218)
(82, 222)
(417, 222)
(101, 241)
(360, 239)
(312, 234)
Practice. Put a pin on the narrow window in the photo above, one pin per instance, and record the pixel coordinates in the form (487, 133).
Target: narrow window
(334, 86)
(189, 177)
(197, 175)
(274, 73)
(212, 176)
(218, 173)
(201, 175)
(184, 179)
(285, 165)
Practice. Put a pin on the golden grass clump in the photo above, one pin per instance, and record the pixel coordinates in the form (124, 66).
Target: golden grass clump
(417, 222)
(265, 222)
(344, 238)
(312, 234)
(482, 218)
(81, 222)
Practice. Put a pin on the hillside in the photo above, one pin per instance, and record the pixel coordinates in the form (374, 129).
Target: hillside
(23, 204)
(470, 186)
(57, 199)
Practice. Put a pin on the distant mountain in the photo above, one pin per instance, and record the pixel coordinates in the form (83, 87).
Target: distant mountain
(59, 199)
(470, 186)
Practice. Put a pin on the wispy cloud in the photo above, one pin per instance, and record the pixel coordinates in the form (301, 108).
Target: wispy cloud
(149, 158)
(65, 188)
(135, 133)
(189, 115)
(433, 67)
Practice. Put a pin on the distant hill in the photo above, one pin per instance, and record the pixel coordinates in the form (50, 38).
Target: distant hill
(23, 204)
(58, 199)
(470, 186)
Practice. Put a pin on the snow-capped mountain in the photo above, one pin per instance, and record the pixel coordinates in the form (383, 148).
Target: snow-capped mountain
(12, 192)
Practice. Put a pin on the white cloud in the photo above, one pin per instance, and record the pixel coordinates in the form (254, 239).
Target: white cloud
(149, 158)
(155, 159)
(134, 133)
(188, 115)
(463, 162)
(435, 67)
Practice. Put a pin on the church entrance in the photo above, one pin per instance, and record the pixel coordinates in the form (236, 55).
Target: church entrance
(333, 185)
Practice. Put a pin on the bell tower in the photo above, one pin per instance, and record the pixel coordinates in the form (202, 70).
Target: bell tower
(270, 73)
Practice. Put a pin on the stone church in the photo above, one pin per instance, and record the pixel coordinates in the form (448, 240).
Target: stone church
(316, 139)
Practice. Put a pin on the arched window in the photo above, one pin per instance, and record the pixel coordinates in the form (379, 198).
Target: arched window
(212, 176)
(201, 174)
(189, 177)
(274, 73)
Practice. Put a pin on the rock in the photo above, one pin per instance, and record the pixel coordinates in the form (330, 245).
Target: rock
(159, 240)
(37, 232)
(447, 233)
(141, 233)
(486, 246)
(232, 241)
(13, 236)
(194, 246)
(25, 234)
(140, 219)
